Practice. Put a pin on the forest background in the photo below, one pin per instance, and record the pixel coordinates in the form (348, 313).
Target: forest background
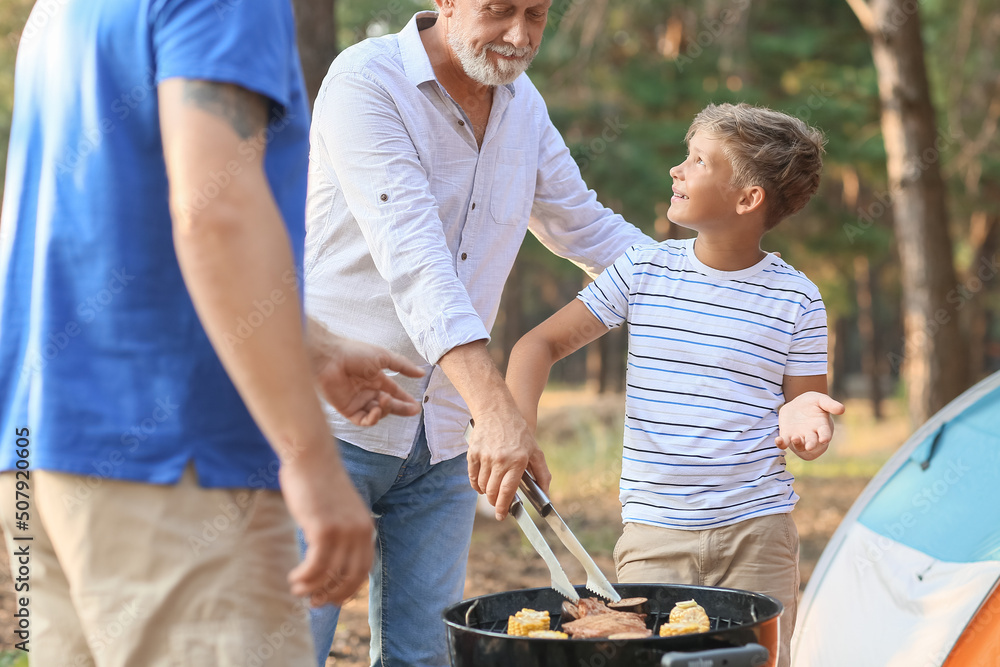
(902, 236)
(901, 239)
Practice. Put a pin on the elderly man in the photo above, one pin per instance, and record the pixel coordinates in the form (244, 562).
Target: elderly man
(431, 157)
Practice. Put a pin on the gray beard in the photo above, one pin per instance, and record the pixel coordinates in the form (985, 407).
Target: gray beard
(478, 66)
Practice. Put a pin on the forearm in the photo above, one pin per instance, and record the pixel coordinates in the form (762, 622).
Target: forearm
(476, 378)
(502, 447)
(527, 374)
(238, 267)
(793, 386)
(531, 360)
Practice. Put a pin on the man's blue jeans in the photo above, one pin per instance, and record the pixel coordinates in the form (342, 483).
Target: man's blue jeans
(423, 519)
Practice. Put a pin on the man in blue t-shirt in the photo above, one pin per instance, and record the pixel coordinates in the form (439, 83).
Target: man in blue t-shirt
(151, 343)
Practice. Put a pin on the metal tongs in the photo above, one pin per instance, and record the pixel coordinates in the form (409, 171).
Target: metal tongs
(596, 581)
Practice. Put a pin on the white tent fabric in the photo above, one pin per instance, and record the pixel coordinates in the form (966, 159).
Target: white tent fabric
(915, 607)
(918, 554)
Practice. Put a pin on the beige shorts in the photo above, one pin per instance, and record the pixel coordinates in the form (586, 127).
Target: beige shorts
(759, 555)
(125, 574)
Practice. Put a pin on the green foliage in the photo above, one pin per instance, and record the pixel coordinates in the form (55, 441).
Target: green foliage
(815, 65)
(13, 15)
(358, 19)
(623, 79)
(13, 659)
(962, 62)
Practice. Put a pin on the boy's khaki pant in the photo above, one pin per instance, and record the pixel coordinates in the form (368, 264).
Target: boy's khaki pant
(126, 574)
(759, 555)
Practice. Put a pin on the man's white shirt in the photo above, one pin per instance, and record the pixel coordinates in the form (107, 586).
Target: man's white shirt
(412, 229)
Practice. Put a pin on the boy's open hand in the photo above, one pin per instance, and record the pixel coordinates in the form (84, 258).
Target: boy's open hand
(805, 424)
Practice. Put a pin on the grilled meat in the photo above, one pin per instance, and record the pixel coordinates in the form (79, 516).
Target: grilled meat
(635, 605)
(598, 625)
(594, 619)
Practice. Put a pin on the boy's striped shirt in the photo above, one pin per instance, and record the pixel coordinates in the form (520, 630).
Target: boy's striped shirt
(707, 354)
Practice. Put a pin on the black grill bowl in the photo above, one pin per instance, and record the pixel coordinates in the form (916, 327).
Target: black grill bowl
(477, 628)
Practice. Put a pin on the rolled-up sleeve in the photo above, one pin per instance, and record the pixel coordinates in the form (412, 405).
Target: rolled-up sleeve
(360, 137)
(566, 216)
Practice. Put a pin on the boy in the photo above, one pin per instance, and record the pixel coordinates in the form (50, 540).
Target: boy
(726, 366)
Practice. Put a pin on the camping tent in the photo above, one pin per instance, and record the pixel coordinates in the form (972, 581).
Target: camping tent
(910, 578)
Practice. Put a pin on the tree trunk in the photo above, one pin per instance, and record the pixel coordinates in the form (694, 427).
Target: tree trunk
(512, 308)
(980, 276)
(317, 35)
(838, 352)
(595, 365)
(866, 328)
(933, 359)
(731, 20)
(606, 362)
(613, 363)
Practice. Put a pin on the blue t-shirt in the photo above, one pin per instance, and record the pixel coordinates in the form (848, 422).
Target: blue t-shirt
(102, 356)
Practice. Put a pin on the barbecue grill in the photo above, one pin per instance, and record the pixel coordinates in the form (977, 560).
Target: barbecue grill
(744, 631)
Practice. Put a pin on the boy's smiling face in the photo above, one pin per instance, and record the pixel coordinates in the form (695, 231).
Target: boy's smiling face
(703, 194)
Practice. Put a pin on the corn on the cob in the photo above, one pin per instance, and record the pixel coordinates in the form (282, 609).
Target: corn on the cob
(690, 612)
(548, 634)
(674, 629)
(526, 620)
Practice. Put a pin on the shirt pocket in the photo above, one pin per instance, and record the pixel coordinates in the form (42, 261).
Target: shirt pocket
(513, 188)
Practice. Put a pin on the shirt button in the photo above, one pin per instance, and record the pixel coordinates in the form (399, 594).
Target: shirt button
(426, 398)
(384, 197)
(465, 256)
(461, 122)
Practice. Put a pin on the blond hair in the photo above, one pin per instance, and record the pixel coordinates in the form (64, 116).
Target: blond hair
(767, 148)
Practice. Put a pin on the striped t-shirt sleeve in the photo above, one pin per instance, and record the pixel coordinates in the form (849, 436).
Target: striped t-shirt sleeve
(608, 296)
(807, 354)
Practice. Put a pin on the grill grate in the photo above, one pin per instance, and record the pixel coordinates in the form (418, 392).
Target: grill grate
(500, 625)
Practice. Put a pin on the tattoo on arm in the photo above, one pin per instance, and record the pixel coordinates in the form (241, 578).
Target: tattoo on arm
(246, 112)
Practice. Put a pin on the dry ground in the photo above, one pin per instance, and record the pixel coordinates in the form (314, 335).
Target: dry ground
(578, 432)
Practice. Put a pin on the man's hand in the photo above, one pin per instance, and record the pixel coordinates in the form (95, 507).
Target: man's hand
(805, 424)
(501, 447)
(337, 526)
(349, 374)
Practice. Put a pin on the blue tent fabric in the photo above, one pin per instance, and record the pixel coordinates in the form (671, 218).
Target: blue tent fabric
(945, 499)
(908, 571)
